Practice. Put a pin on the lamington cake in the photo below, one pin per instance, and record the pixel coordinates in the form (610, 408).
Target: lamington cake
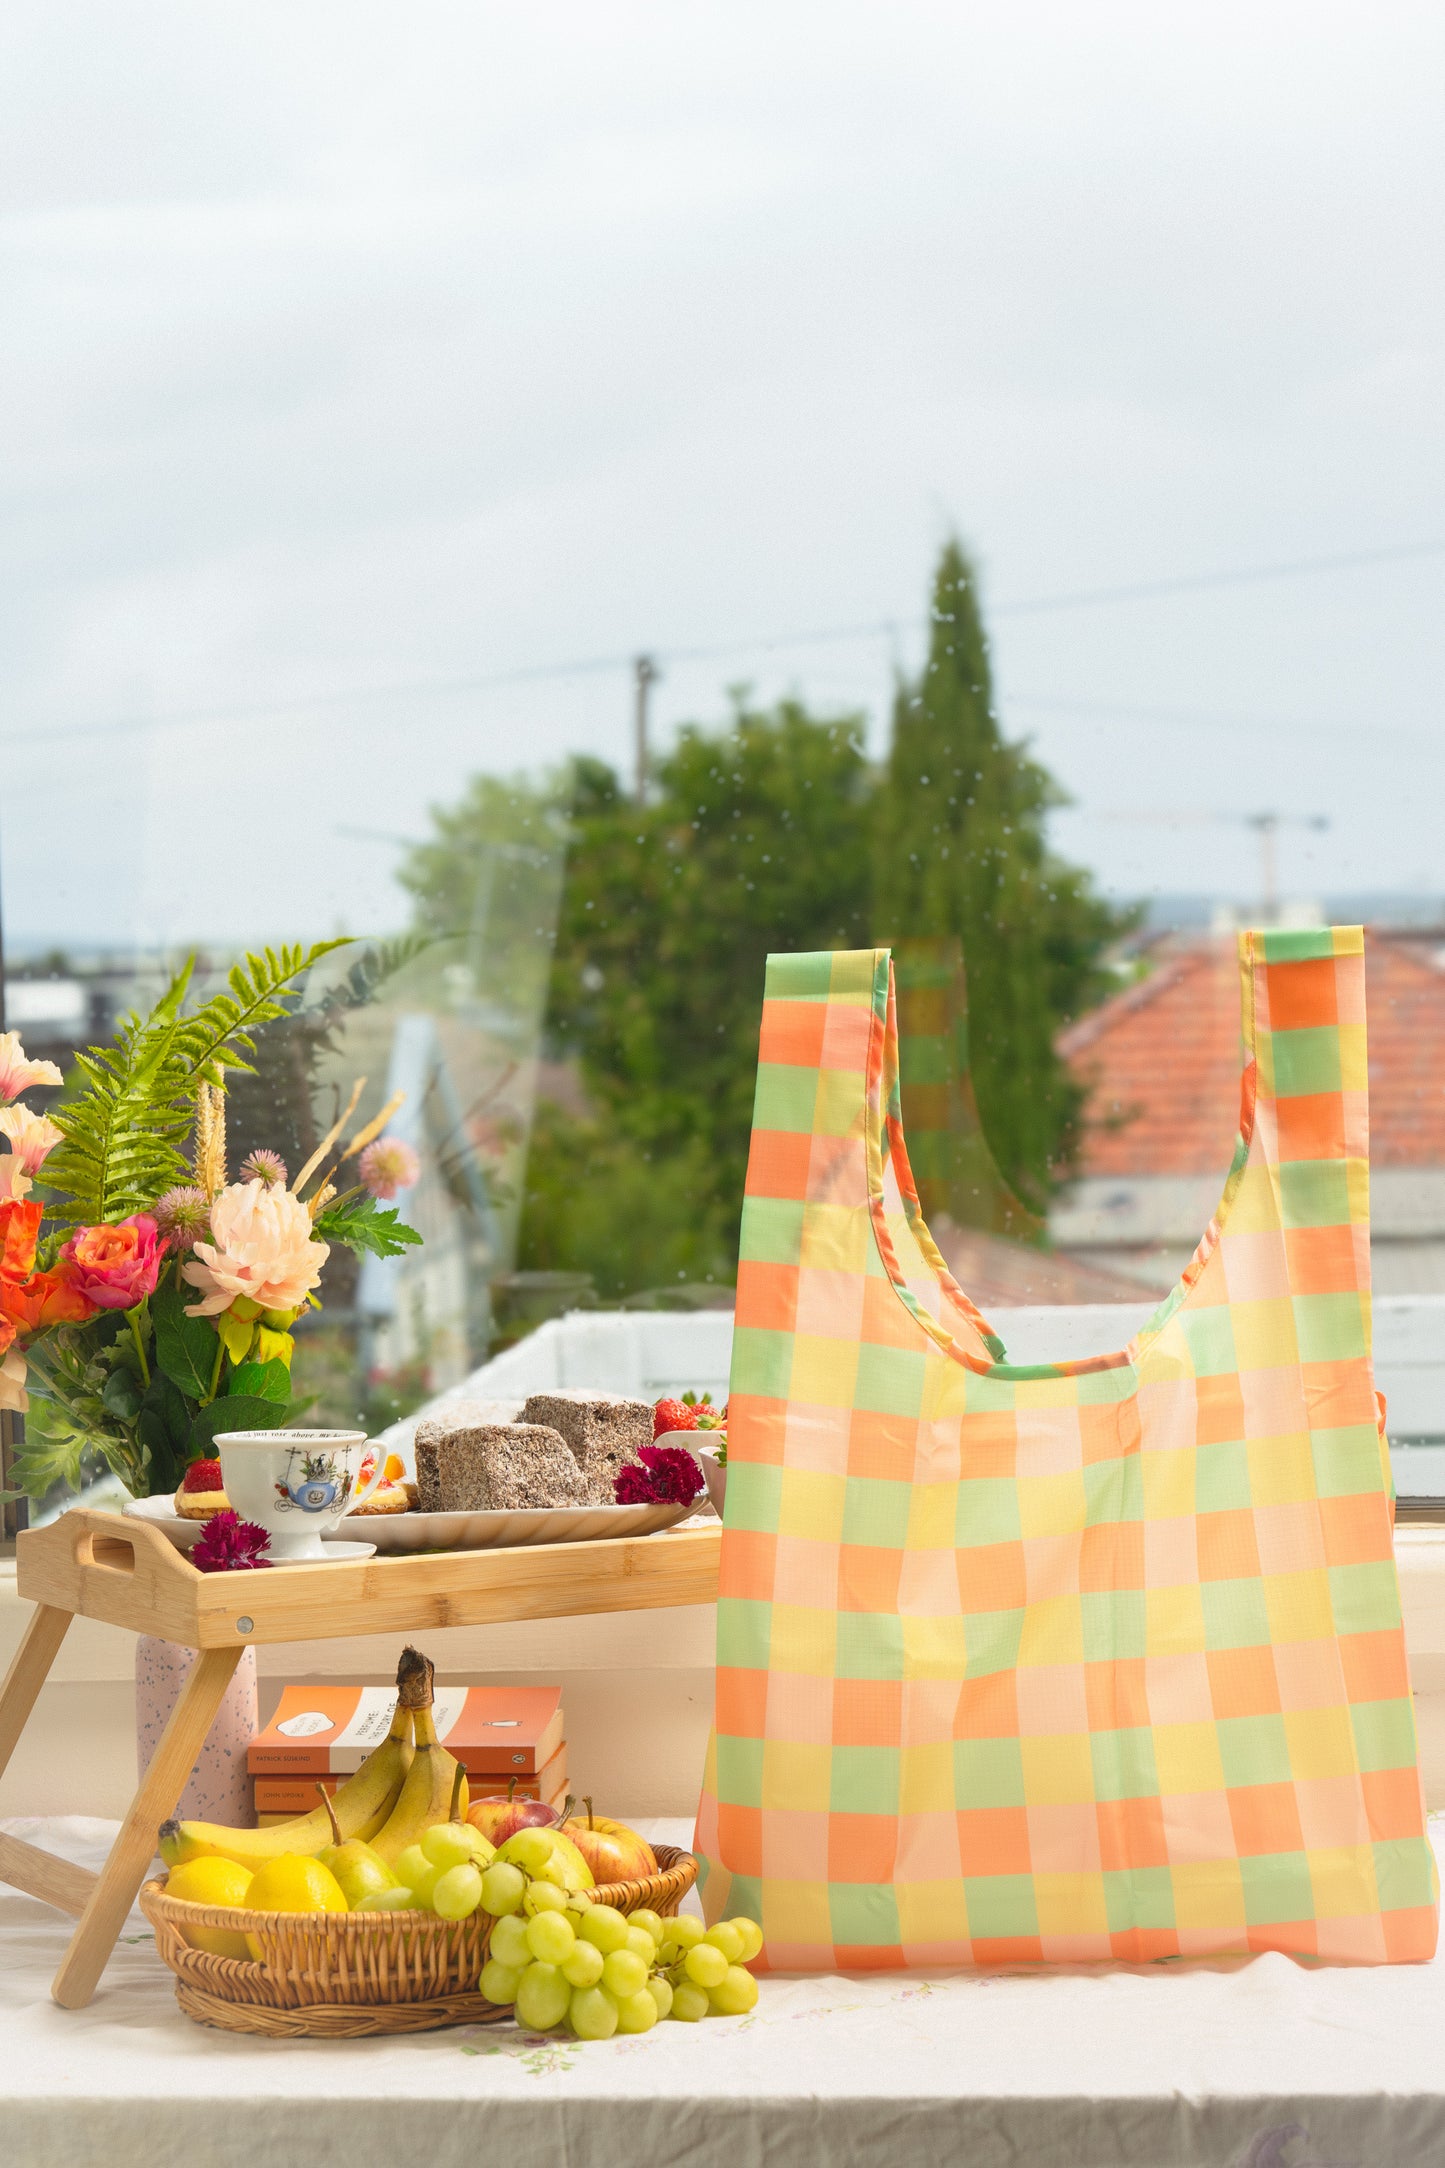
(452, 1415)
(498, 1468)
(425, 1440)
(604, 1433)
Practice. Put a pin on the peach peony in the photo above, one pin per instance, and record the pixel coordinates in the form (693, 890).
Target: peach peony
(32, 1138)
(262, 1248)
(17, 1075)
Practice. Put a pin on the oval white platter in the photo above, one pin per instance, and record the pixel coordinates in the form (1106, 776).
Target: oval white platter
(532, 1524)
(400, 1532)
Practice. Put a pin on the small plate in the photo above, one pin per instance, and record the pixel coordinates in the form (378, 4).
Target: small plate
(161, 1514)
(335, 1552)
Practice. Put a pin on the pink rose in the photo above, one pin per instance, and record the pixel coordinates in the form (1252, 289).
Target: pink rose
(116, 1267)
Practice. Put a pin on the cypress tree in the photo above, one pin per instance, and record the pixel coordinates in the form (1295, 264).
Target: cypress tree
(962, 849)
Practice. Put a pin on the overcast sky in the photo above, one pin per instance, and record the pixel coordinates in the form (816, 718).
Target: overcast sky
(349, 348)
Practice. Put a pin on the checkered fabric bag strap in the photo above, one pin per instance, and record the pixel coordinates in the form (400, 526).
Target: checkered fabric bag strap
(1304, 1025)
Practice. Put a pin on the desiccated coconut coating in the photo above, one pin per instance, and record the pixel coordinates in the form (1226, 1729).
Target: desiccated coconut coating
(603, 1432)
(425, 1441)
(505, 1467)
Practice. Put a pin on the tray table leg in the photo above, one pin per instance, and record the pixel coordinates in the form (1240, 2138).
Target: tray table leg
(134, 1849)
(28, 1673)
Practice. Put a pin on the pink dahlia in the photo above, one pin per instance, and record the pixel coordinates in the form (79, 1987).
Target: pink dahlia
(260, 1246)
(387, 1166)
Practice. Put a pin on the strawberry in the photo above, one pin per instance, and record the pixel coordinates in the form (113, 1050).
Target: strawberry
(202, 1475)
(673, 1415)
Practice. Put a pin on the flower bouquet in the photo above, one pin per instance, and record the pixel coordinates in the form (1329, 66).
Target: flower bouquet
(148, 1302)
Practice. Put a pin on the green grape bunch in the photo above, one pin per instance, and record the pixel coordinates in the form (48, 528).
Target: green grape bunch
(560, 1960)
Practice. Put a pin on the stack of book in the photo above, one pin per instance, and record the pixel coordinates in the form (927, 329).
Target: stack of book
(501, 1735)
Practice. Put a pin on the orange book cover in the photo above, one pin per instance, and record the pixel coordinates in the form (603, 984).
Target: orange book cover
(329, 1730)
(287, 1795)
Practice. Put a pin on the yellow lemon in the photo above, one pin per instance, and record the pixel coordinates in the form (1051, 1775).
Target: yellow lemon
(292, 1884)
(212, 1882)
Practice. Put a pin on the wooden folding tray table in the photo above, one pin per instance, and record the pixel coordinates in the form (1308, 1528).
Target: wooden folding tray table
(125, 1572)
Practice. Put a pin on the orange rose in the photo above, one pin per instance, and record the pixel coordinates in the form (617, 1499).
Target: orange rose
(44, 1299)
(117, 1266)
(19, 1229)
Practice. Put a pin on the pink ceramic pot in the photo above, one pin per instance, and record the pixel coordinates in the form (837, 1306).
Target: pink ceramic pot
(220, 1789)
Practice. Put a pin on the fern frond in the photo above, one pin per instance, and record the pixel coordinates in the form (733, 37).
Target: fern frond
(122, 1135)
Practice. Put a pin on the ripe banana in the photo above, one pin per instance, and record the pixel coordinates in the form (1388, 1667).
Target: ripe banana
(361, 1806)
(426, 1796)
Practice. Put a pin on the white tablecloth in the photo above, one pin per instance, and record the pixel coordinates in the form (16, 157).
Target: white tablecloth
(1262, 2064)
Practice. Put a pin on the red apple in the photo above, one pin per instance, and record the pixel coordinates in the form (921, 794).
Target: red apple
(499, 1818)
(614, 1852)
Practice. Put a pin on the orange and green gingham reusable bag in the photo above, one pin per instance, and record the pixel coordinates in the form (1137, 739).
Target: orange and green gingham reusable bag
(1098, 1659)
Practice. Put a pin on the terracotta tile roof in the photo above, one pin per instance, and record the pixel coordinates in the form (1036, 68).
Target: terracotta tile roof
(1161, 1062)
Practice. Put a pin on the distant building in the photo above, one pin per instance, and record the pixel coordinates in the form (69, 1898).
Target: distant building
(1161, 1063)
(68, 1003)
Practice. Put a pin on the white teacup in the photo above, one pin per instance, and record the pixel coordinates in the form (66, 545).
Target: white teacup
(298, 1485)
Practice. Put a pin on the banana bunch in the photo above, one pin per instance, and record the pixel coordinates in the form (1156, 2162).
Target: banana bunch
(403, 1787)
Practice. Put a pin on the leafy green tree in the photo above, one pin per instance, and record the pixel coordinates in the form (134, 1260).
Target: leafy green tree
(772, 833)
(757, 839)
(960, 848)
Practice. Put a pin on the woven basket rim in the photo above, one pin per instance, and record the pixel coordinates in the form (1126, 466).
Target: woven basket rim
(672, 1862)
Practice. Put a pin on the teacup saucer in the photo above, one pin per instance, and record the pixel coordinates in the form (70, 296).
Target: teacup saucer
(335, 1552)
(161, 1513)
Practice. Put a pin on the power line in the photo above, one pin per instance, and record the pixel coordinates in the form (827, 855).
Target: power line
(1248, 576)
(589, 666)
(1205, 719)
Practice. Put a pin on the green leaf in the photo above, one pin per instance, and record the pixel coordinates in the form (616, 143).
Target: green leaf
(268, 1381)
(165, 1457)
(47, 1457)
(233, 1411)
(164, 1399)
(357, 1222)
(185, 1346)
(122, 1395)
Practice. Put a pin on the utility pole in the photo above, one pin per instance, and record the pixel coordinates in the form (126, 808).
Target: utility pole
(1266, 827)
(646, 675)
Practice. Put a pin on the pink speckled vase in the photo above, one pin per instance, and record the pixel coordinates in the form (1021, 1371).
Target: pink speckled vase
(219, 1789)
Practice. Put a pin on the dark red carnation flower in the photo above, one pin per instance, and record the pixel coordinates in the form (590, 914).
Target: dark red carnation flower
(227, 1544)
(662, 1475)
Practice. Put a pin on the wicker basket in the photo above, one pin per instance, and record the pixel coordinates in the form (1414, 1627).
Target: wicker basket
(340, 1973)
